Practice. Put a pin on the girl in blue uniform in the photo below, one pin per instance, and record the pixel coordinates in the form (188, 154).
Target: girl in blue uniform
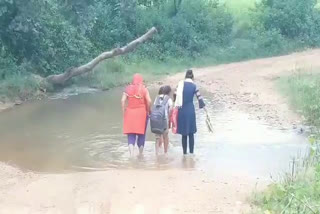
(184, 95)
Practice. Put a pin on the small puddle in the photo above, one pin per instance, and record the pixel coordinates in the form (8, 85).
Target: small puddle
(84, 133)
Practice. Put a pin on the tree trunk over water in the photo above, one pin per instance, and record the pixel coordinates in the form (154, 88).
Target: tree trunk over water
(61, 79)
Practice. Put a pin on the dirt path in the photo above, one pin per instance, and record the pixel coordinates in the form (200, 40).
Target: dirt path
(249, 86)
(246, 86)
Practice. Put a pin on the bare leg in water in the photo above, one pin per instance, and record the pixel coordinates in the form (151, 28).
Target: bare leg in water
(131, 150)
(166, 142)
(159, 140)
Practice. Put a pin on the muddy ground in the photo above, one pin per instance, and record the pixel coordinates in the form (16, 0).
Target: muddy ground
(246, 86)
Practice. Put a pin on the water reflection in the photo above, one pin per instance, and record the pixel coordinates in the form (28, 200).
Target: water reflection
(84, 133)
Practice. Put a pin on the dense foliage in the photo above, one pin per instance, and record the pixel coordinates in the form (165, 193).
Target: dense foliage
(48, 36)
(293, 19)
(53, 35)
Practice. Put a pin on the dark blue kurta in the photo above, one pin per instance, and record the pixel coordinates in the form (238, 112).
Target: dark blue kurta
(187, 116)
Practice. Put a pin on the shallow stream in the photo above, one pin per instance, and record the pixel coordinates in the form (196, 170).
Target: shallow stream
(84, 132)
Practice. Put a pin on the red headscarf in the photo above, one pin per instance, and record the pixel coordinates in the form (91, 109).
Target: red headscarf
(136, 88)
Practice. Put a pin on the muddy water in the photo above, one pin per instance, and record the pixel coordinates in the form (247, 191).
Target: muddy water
(84, 133)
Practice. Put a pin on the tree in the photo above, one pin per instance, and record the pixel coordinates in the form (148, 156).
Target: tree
(177, 4)
(292, 18)
(61, 79)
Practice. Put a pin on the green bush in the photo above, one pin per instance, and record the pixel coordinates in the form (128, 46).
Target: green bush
(20, 86)
(297, 197)
(293, 19)
(39, 34)
(48, 37)
(188, 32)
(7, 63)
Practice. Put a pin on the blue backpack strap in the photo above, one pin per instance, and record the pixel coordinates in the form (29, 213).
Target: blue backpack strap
(166, 99)
(157, 101)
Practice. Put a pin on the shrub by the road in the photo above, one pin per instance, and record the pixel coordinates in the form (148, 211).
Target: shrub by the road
(48, 37)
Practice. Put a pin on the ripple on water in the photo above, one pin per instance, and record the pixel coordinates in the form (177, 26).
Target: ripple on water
(84, 133)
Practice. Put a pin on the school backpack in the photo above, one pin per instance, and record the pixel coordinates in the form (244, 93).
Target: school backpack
(158, 119)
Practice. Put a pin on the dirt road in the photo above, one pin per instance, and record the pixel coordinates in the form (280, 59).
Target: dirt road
(246, 86)
(249, 86)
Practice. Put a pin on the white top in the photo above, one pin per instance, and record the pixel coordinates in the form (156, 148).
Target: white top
(179, 92)
(169, 105)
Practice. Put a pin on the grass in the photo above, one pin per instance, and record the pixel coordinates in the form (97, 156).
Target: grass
(299, 192)
(117, 72)
(303, 91)
(19, 87)
(300, 196)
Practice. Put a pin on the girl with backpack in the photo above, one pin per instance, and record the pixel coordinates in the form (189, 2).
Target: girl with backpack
(183, 98)
(136, 103)
(160, 118)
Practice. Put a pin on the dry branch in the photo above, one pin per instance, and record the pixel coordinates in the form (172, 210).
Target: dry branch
(61, 79)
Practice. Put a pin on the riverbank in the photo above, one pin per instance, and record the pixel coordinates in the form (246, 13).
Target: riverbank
(249, 84)
(247, 87)
(298, 191)
(4, 106)
(109, 74)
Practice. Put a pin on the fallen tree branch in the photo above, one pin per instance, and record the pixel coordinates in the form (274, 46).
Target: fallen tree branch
(61, 79)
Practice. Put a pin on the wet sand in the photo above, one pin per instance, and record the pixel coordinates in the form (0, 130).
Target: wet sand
(123, 191)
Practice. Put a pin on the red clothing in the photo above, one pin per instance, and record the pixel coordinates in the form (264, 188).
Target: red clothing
(135, 115)
(174, 120)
